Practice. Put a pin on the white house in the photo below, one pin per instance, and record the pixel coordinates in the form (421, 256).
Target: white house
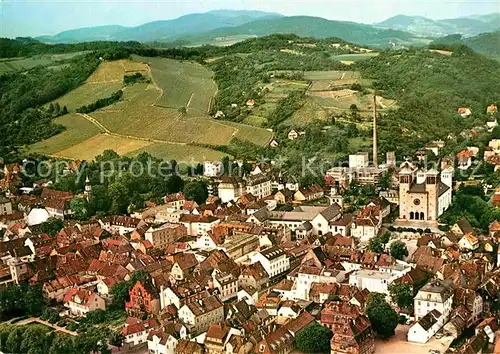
(230, 188)
(258, 185)
(307, 275)
(274, 260)
(227, 284)
(422, 330)
(249, 294)
(37, 216)
(372, 280)
(136, 331)
(160, 342)
(435, 295)
(80, 302)
(169, 297)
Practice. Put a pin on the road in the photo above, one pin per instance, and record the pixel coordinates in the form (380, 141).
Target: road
(38, 320)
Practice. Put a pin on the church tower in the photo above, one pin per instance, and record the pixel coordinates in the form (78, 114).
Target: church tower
(432, 189)
(88, 188)
(406, 178)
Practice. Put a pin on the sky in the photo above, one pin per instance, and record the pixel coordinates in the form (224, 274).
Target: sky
(40, 17)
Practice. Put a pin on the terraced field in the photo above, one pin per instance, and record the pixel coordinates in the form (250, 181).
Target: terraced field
(183, 84)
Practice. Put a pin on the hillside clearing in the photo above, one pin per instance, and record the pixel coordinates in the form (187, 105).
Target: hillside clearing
(113, 71)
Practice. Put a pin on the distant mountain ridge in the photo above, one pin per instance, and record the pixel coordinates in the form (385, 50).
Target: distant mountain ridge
(164, 30)
(401, 29)
(307, 26)
(422, 26)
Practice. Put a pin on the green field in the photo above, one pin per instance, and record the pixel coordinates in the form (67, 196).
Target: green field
(354, 57)
(183, 84)
(78, 129)
(183, 154)
(257, 121)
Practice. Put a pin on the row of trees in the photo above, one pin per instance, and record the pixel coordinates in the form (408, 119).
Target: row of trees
(100, 103)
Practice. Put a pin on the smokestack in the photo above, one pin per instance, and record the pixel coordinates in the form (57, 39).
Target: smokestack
(375, 150)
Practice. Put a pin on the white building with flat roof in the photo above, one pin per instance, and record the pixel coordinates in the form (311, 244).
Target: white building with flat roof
(212, 168)
(372, 280)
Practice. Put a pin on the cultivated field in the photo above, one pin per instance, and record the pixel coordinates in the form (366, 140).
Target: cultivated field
(332, 75)
(78, 129)
(94, 146)
(108, 78)
(86, 94)
(183, 84)
(183, 154)
(113, 71)
(355, 57)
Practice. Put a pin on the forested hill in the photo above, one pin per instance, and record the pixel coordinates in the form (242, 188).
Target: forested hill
(307, 26)
(485, 43)
(429, 87)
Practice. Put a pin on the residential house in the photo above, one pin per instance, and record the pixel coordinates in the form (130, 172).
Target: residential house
(161, 236)
(253, 275)
(226, 283)
(160, 342)
(292, 135)
(5, 206)
(136, 332)
(468, 242)
(308, 194)
(464, 112)
(185, 346)
(198, 315)
(422, 330)
(435, 295)
(274, 260)
(373, 280)
(230, 188)
(489, 326)
(56, 203)
(81, 301)
(198, 224)
(184, 264)
(258, 185)
(464, 159)
(352, 331)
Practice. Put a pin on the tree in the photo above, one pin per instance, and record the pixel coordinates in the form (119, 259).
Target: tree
(80, 208)
(52, 226)
(64, 110)
(62, 344)
(35, 340)
(399, 250)
(196, 191)
(314, 339)
(182, 111)
(401, 294)
(120, 294)
(14, 340)
(34, 303)
(375, 245)
(11, 302)
(385, 180)
(381, 315)
(57, 109)
(116, 339)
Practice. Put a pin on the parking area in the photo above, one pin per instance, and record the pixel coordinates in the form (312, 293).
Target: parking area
(398, 344)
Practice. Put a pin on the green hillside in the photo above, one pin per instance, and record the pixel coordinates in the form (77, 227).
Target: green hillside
(485, 43)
